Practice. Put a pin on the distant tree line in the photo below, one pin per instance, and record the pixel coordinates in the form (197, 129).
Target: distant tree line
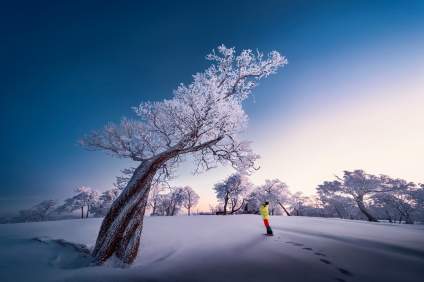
(355, 195)
(163, 201)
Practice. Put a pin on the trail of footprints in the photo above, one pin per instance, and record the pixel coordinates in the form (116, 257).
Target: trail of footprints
(323, 258)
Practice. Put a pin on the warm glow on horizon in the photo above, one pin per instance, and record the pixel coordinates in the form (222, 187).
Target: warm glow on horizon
(383, 136)
(381, 131)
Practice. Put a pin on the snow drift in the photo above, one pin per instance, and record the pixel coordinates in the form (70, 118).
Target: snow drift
(220, 248)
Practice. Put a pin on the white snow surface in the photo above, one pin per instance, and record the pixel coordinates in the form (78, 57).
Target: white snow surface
(220, 248)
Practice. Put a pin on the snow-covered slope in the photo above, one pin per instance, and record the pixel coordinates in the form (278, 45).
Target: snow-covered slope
(221, 248)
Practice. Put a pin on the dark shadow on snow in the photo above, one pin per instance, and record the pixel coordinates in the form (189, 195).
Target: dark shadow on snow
(360, 242)
(64, 254)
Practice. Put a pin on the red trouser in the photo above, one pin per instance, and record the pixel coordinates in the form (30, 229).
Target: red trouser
(268, 228)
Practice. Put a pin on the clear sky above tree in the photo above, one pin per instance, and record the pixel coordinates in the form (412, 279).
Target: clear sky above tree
(70, 67)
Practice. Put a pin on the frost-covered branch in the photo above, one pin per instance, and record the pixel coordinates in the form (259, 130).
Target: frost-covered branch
(204, 117)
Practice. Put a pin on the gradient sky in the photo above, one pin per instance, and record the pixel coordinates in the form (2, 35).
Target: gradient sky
(351, 97)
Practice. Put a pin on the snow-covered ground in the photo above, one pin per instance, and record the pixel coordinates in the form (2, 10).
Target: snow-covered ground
(221, 248)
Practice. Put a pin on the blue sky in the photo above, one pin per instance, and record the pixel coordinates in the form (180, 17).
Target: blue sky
(350, 96)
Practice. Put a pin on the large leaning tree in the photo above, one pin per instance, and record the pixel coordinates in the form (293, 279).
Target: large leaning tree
(202, 119)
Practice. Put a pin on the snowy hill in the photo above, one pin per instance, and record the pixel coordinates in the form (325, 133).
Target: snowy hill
(220, 248)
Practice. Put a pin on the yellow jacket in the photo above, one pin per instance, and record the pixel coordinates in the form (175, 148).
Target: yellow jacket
(263, 210)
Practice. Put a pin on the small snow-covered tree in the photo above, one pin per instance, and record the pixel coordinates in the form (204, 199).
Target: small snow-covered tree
(109, 196)
(334, 204)
(203, 119)
(298, 203)
(162, 204)
(169, 204)
(273, 191)
(312, 207)
(399, 202)
(238, 197)
(85, 198)
(392, 208)
(122, 180)
(232, 191)
(418, 195)
(104, 202)
(361, 186)
(39, 212)
(154, 198)
(176, 200)
(191, 198)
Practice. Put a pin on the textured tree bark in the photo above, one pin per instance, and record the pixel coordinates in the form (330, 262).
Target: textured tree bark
(82, 212)
(121, 228)
(363, 209)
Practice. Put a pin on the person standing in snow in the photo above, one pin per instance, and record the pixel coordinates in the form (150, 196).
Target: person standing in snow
(264, 211)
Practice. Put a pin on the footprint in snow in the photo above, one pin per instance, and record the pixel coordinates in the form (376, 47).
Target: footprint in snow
(165, 256)
(294, 243)
(325, 261)
(320, 254)
(340, 280)
(344, 271)
(308, 249)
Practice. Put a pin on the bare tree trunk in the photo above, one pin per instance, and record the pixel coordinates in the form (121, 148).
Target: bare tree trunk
(188, 211)
(154, 209)
(408, 219)
(338, 212)
(388, 216)
(121, 228)
(82, 212)
(234, 210)
(363, 209)
(225, 204)
(174, 209)
(86, 214)
(286, 211)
